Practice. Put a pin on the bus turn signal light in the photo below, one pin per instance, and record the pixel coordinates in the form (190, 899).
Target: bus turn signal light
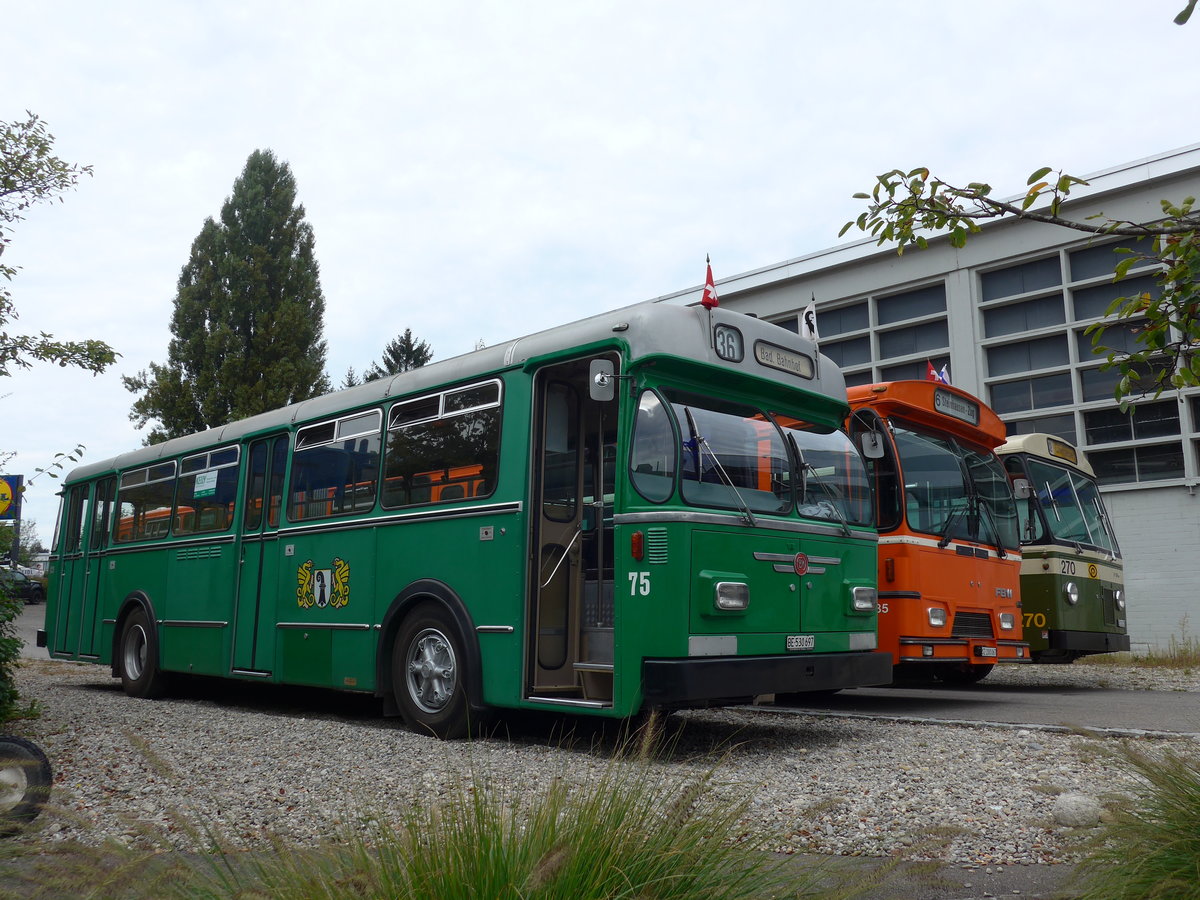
(637, 545)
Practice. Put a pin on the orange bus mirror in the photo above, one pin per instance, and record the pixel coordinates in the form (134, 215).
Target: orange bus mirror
(872, 444)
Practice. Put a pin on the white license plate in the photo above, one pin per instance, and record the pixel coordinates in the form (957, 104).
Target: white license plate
(801, 641)
(987, 651)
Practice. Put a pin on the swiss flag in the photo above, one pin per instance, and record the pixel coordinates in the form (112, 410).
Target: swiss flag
(931, 374)
(709, 299)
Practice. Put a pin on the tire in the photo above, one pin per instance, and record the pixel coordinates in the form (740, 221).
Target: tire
(35, 596)
(137, 658)
(429, 674)
(24, 782)
(963, 673)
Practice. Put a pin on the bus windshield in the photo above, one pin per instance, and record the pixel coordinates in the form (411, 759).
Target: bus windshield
(733, 456)
(954, 491)
(1072, 507)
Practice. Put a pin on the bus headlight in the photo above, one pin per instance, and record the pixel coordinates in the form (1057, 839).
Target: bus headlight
(1119, 596)
(1007, 621)
(864, 599)
(1071, 592)
(937, 617)
(732, 595)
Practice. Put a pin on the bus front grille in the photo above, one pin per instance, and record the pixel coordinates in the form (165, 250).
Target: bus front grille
(972, 625)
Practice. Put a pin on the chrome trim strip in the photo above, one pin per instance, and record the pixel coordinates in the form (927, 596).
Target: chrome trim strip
(560, 701)
(115, 549)
(494, 629)
(327, 626)
(764, 523)
(249, 673)
(191, 623)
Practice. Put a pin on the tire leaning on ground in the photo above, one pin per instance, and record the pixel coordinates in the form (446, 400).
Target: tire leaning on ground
(429, 676)
(137, 658)
(24, 782)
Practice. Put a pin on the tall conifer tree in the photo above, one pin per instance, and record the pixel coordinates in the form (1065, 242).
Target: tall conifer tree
(249, 314)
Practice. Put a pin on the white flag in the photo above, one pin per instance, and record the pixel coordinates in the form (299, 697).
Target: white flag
(808, 322)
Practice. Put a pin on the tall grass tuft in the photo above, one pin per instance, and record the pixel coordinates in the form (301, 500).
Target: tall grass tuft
(632, 833)
(1152, 850)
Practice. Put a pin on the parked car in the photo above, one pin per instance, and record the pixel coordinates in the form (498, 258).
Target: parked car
(21, 586)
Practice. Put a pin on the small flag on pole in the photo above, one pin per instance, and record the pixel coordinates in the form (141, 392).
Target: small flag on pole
(931, 374)
(944, 375)
(709, 299)
(808, 321)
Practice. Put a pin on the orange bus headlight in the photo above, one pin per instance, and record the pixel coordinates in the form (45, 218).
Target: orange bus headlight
(732, 595)
(937, 617)
(1007, 621)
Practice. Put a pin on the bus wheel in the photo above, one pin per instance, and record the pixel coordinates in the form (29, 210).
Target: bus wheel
(24, 782)
(428, 677)
(138, 658)
(963, 673)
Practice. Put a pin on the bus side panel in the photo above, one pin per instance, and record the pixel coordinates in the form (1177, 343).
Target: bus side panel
(197, 609)
(325, 608)
(145, 571)
(481, 560)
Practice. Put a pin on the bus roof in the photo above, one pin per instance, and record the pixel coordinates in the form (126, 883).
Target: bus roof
(649, 330)
(933, 404)
(1048, 446)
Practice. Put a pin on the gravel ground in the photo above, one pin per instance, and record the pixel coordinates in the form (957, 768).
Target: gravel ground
(252, 763)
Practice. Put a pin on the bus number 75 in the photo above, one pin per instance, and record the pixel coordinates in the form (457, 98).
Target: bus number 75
(639, 583)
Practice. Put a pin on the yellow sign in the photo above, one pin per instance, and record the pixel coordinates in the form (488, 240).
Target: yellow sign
(8, 497)
(1092, 570)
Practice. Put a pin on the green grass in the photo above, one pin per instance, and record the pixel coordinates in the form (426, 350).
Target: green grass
(1152, 849)
(633, 829)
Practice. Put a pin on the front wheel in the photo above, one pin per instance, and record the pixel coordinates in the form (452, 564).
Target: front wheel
(429, 674)
(963, 673)
(24, 782)
(137, 658)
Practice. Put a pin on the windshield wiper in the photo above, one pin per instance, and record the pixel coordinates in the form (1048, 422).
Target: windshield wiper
(698, 442)
(807, 469)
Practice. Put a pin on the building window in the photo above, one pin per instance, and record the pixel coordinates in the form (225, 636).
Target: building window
(1156, 462)
(911, 305)
(843, 320)
(1031, 393)
(914, 339)
(1041, 353)
(1092, 302)
(912, 371)
(1021, 279)
(1061, 425)
(852, 352)
(791, 323)
(1028, 316)
(1093, 262)
(1142, 422)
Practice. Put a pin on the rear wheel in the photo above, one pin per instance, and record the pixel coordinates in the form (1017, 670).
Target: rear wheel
(137, 658)
(429, 676)
(24, 781)
(963, 673)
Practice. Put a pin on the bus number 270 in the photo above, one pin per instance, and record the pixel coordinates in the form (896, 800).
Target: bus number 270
(639, 583)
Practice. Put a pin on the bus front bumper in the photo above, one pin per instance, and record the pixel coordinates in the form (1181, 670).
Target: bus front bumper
(698, 681)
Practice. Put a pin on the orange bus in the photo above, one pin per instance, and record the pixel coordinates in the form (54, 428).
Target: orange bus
(949, 548)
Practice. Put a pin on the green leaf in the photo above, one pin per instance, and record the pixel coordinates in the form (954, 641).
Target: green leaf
(1039, 175)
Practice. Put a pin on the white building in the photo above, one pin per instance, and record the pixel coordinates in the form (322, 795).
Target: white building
(1007, 313)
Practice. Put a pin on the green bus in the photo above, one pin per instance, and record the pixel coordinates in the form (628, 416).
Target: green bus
(1072, 578)
(648, 509)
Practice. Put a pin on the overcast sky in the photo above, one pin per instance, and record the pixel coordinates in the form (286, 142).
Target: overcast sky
(477, 171)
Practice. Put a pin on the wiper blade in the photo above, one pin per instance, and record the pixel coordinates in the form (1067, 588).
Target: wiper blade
(698, 441)
(806, 470)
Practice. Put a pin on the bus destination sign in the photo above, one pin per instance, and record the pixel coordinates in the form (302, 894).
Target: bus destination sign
(782, 359)
(953, 405)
